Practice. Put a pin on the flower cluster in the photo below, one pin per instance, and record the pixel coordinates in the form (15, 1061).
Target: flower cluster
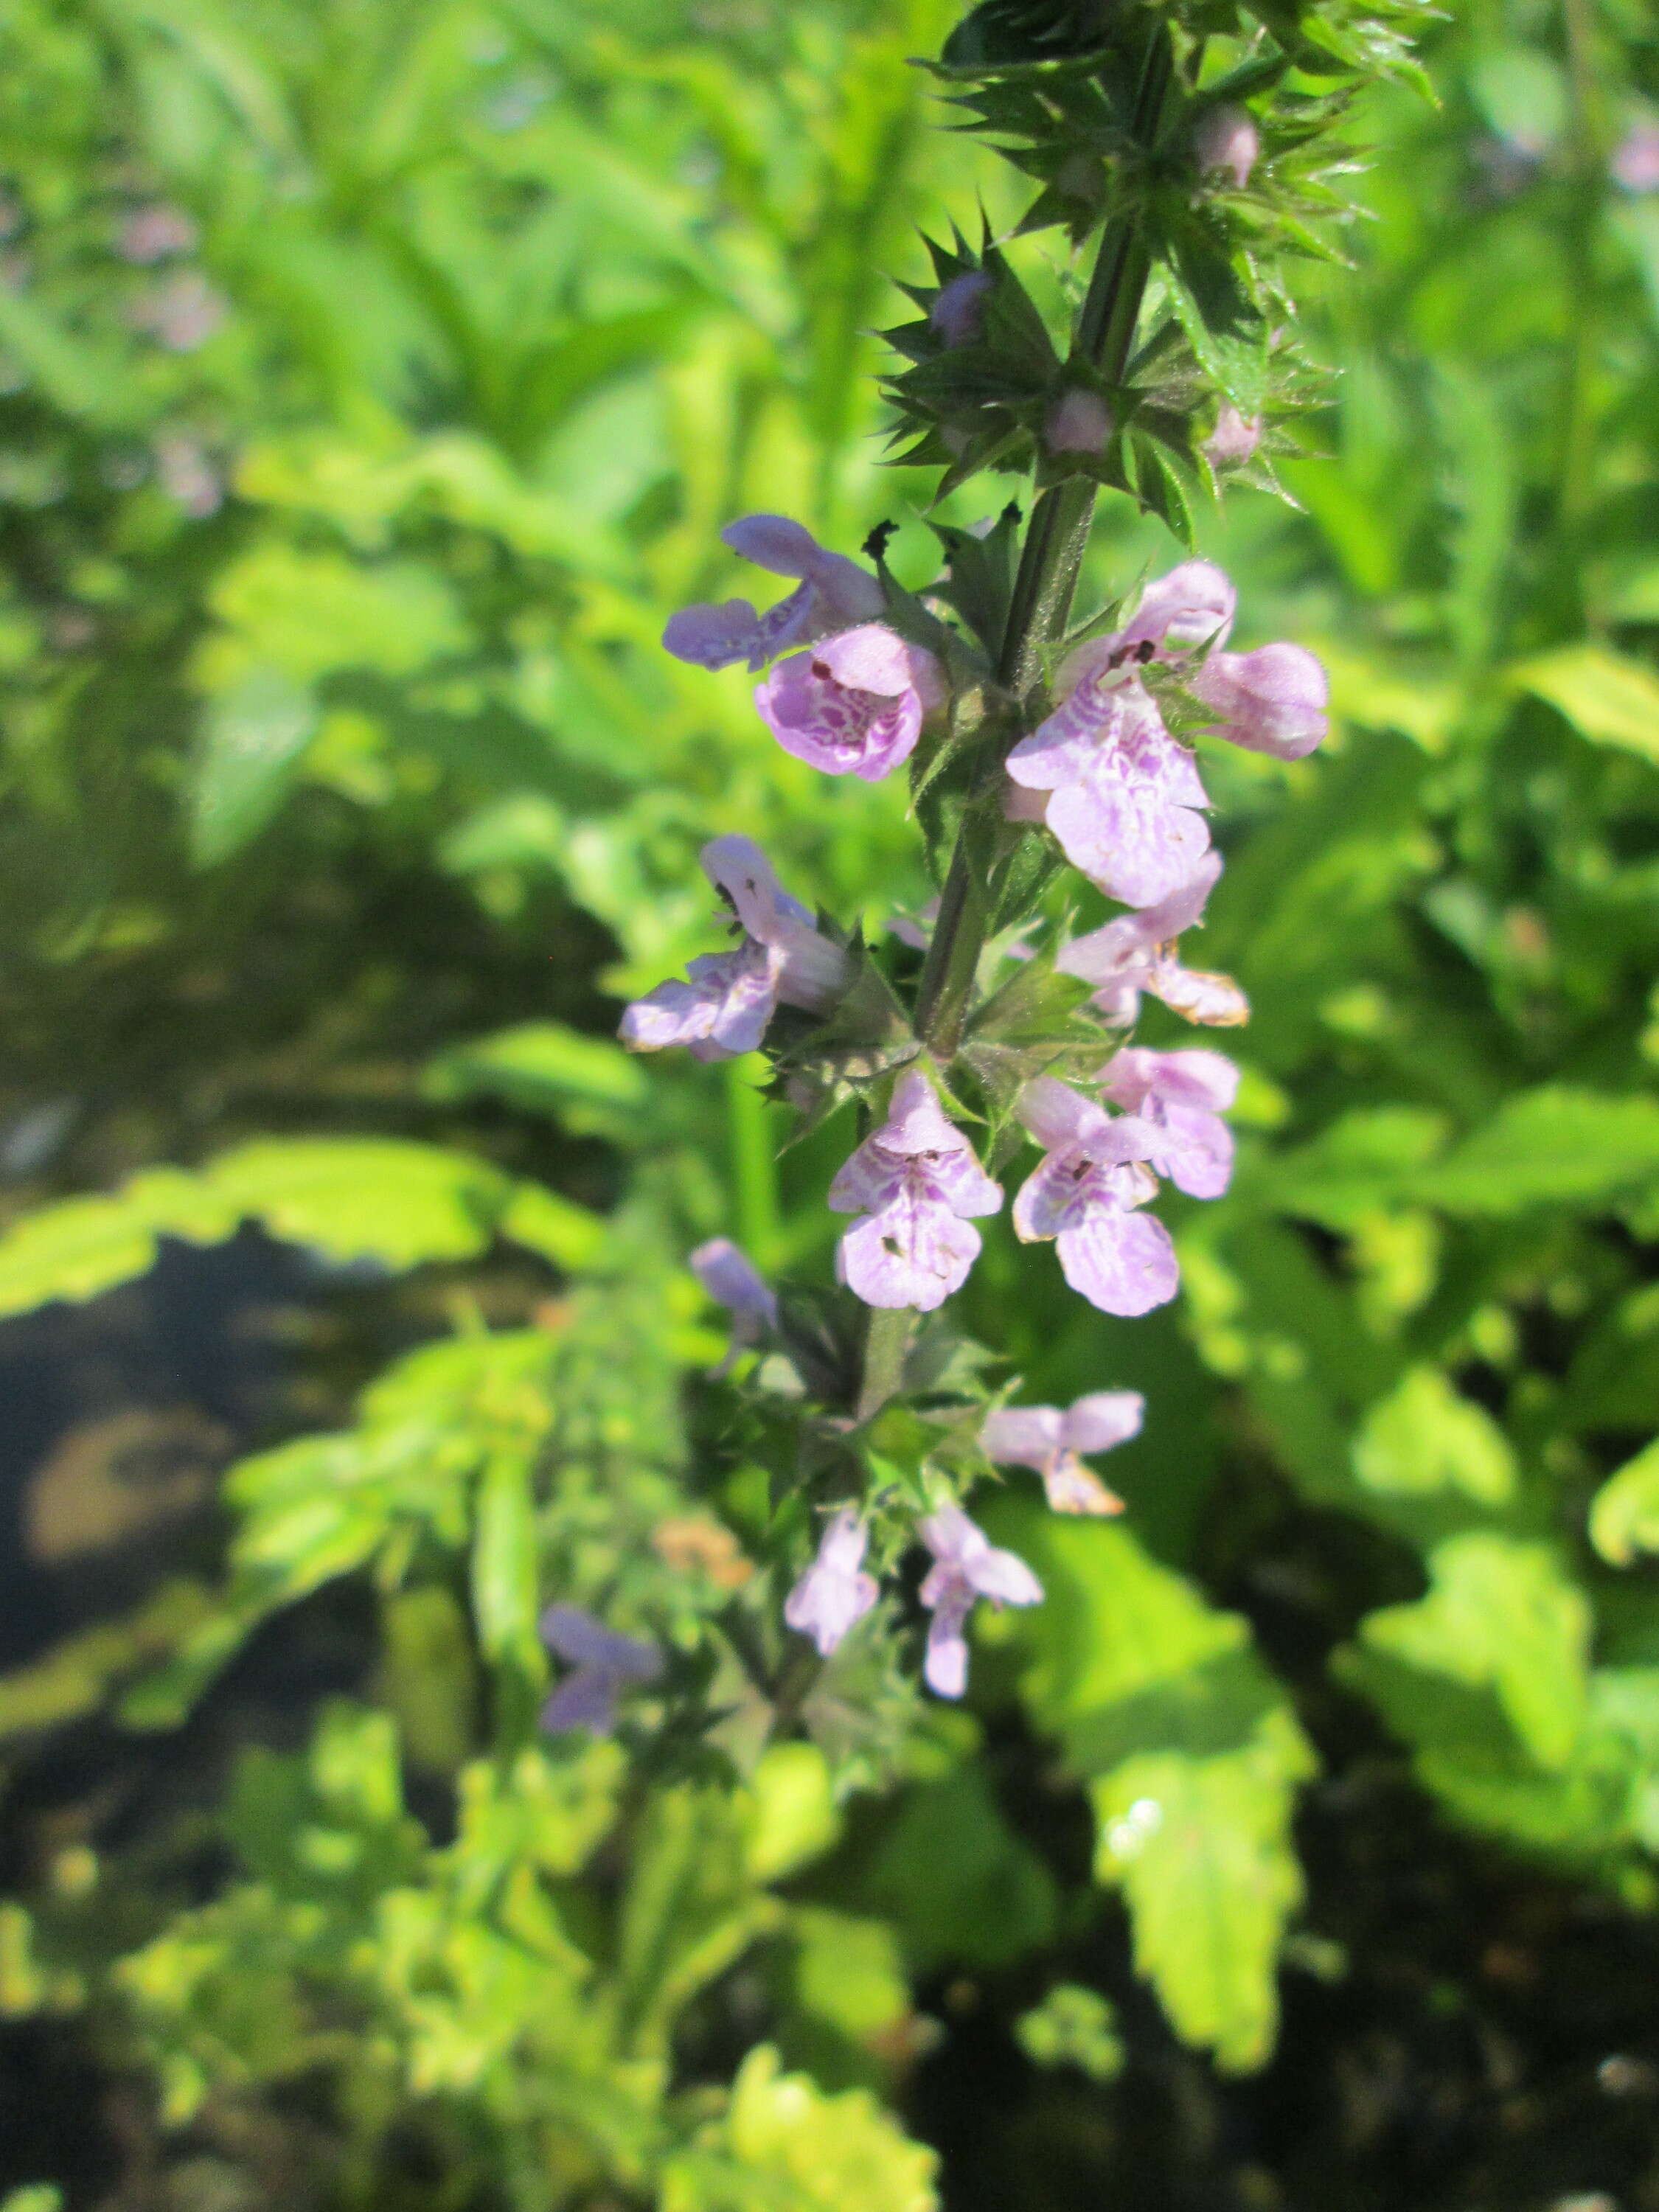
(986, 1047)
(1103, 766)
(1125, 800)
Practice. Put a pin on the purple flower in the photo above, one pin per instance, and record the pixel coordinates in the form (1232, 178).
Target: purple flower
(605, 1665)
(732, 1279)
(1270, 701)
(913, 1184)
(1079, 421)
(853, 705)
(1184, 1094)
(1635, 162)
(1051, 1441)
(1084, 1195)
(724, 1009)
(835, 1593)
(182, 312)
(1192, 605)
(1136, 953)
(155, 234)
(966, 1567)
(1122, 791)
(1234, 438)
(1227, 138)
(187, 476)
(957, 314)
(833, 593)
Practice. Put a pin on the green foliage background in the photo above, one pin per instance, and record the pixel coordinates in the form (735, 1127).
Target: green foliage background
(336, 817)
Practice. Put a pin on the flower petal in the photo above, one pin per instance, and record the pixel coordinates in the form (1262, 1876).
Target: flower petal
(1004, 1577)
(1129, 840)
(1102, 1418)
(713, 636)
(1123, 1263)
(1023, 1436)
(915, 1252)
(946, 1667)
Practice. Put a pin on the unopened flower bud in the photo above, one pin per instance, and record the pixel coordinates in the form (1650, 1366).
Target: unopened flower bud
(1227, 138)
(1234, 438)
(1270, 701)
(957, 315)
(1079, 421)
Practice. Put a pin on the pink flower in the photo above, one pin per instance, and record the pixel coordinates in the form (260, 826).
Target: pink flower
(1051, 1441)
(182, 312)
(732, 1279)
(155, 234)
(187, 476)
(1635, 162)
(853, 705)
(1192, 605)
(1136, 953)
(833, 592)
(724, 1009)
(1270, 701)
(605, 1665)
(913, 1184)
(1123, 791)
(1227, 139)
(1234, 438)
(1084, 1195)
(957, 314)
(1185, 1095)
(1079, 421)
(966, 1568)
(835, 1594)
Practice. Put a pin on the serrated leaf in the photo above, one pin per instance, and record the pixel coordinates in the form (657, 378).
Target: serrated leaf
(1203, 1850)
(1195, 1757)
(1424, 1438)
(784, 2146)
(1500, 1614)
(1362, 1162)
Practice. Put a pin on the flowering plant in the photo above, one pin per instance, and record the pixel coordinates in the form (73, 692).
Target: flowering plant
(1182, 148)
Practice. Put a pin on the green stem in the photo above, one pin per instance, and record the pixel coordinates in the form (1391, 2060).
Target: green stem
(886, 1343)
(1049, 563)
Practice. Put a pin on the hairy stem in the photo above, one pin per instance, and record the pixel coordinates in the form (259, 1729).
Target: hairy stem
(1049, 562)
(886, 1342)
